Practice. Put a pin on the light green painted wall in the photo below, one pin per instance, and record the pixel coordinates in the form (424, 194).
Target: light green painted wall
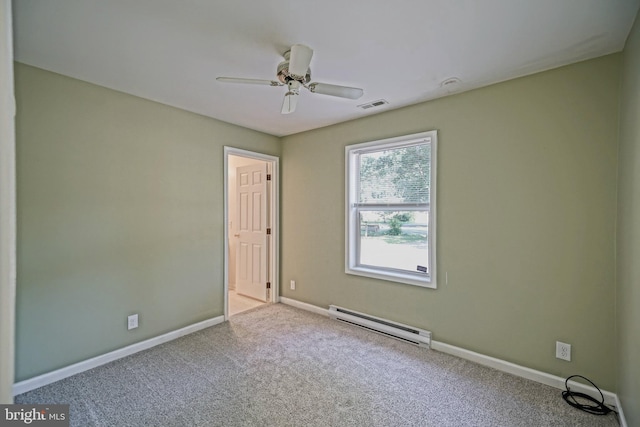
(628, 233)
(120, 211)
(526, 211)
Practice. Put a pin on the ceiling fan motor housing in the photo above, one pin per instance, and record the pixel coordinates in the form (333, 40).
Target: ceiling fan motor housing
(283, 72)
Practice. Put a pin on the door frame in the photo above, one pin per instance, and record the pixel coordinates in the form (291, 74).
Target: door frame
(274, 213)
(7, 207)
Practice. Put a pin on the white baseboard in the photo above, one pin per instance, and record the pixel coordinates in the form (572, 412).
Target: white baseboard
(521, 371)
(305, 306)
(85, 365)
(499, 364)
(623, 421)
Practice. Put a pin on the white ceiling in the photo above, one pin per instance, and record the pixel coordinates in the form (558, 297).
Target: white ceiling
(171, 51)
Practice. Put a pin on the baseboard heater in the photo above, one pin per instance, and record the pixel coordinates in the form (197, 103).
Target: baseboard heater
(391, 329)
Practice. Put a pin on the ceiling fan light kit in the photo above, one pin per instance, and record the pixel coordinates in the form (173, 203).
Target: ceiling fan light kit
(294, 72)
(289, 103)
(299, 60)
(291, 97)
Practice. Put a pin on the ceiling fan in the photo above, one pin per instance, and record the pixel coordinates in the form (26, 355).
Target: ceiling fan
(294, 72)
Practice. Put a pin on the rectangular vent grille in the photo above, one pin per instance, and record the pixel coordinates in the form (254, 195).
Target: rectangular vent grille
(391, 329)
(373, 104)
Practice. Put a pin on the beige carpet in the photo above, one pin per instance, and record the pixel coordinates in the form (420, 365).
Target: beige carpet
(280, 366)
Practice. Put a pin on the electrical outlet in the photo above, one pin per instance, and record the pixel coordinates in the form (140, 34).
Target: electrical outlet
(132, 321)
(563, 351)
(293, 285)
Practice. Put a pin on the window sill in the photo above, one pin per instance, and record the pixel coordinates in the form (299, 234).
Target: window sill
(409, 279)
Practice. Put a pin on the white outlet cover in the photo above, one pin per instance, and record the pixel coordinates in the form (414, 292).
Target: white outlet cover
(563, 351)
(132, 321)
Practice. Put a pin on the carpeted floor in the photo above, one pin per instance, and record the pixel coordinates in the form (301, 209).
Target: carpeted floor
(280, 366)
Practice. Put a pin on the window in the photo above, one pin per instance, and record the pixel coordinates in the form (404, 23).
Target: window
(391, 209)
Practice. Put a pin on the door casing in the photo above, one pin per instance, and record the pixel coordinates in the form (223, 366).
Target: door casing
(274, 214)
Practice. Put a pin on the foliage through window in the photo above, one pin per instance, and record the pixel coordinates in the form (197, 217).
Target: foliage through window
(391, 209)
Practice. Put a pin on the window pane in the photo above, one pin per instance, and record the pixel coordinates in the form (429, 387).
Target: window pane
(391, 193)
(398, 175)
(397, 240)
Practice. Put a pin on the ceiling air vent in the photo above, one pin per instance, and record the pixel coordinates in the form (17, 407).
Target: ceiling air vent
(373, 104)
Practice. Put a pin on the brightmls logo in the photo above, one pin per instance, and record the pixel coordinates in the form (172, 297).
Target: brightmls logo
(34, 415)
(27, 416)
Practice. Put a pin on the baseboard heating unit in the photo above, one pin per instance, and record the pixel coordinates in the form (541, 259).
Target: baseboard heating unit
(391, 329)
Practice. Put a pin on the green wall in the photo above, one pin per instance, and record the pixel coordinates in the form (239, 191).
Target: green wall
(120, 211)
(526, 219)
(628, 236)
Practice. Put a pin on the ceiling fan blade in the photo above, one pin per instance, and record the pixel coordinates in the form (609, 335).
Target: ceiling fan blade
(335, 90)
(248, 81)
(290, 102)
(299, 59)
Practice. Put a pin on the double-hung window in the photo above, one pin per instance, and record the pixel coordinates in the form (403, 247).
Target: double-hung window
(391, 209)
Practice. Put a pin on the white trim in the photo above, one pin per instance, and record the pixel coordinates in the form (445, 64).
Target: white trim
(499, 364)
(352, 206)
(521, 371)
(433, 199)
(621, 418)
(85, 365)
(274, 248)
(7, 206)
(389, 275)
(305, 306)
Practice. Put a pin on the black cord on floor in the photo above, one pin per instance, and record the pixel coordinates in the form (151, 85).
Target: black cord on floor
(598, 408)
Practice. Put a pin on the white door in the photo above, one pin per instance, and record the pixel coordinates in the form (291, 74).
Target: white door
(251, 247)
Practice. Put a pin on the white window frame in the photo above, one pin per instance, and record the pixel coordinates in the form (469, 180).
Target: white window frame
(352, 226)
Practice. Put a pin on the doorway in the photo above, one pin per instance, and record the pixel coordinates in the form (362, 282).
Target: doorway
(251, 230)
